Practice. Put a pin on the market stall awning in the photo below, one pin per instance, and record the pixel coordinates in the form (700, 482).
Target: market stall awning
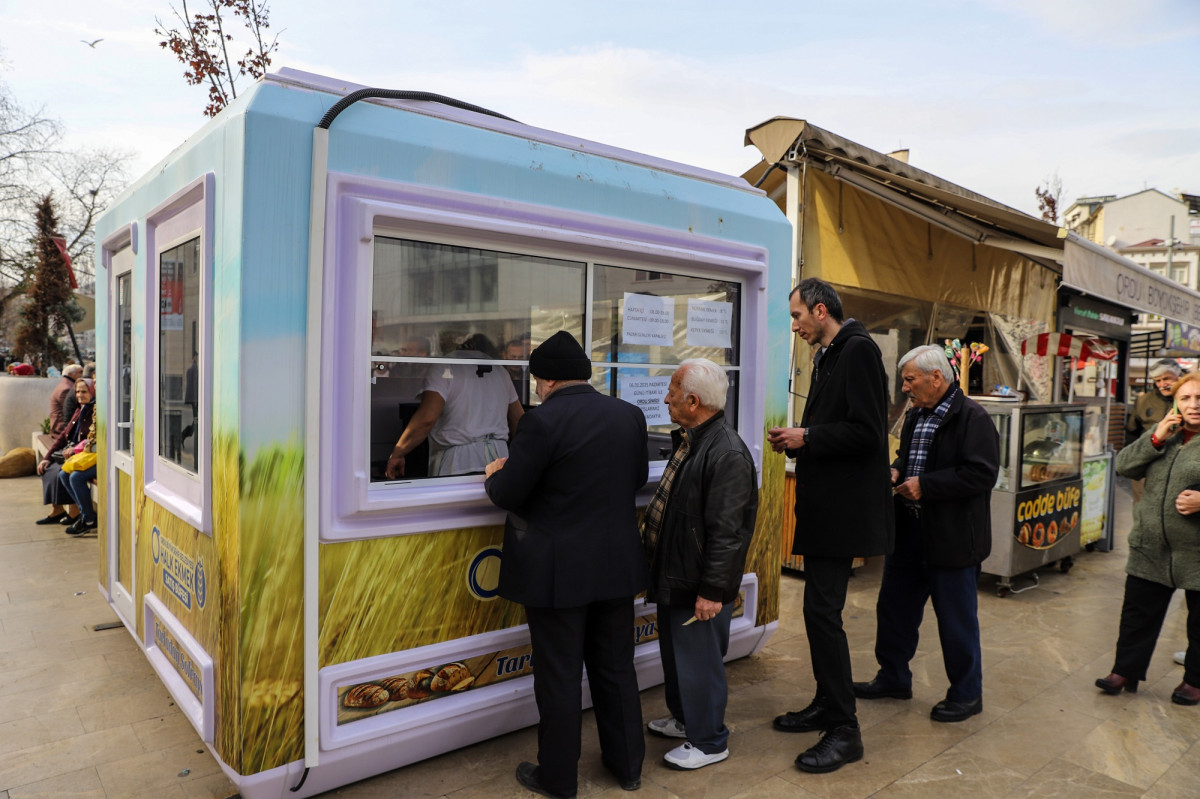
(1085, 348)
(784, 140)
(1101, 272)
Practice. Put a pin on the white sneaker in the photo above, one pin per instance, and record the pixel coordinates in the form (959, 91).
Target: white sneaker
(689, 757)
(1180, 657)
(670, 727)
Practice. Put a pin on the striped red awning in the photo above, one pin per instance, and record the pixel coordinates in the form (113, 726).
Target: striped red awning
(1085, 348)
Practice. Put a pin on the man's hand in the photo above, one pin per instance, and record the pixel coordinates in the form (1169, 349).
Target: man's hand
(781, 438)
(494, 466)
(1188, 502)
(910, 488)
(395, 467)
(706, 608)
(895, 476)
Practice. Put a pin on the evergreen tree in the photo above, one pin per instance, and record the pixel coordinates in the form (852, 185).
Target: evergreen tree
(50, 307)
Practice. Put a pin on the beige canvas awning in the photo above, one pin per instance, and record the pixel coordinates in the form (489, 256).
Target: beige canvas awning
(870, 221)
(785, 141)
(1103, 273)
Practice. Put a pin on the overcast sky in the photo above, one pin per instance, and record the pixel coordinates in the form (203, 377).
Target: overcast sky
(995, 95)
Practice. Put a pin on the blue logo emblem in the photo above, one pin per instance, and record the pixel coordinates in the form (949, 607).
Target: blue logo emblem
(483, 575)
(201, 584)
(155, 544)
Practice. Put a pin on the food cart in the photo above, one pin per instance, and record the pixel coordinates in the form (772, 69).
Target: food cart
(264, 293)
(1053, 494)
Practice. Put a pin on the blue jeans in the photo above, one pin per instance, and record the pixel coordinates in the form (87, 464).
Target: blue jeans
(78, 485)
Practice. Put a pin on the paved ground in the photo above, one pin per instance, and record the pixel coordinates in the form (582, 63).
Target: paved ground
(83, 715)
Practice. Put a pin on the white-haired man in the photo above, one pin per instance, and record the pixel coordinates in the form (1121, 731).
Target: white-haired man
(697, 532)
(62, 408)
(943, 474)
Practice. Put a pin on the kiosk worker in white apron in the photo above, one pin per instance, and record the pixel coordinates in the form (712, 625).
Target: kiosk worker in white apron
(467, 412)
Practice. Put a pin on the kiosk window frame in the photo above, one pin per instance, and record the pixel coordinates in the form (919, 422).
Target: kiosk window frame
(359, 508)
(185, 217)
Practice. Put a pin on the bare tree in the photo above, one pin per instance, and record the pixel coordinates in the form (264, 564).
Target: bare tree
(33, 163)
(203, 41)
(1049, 194)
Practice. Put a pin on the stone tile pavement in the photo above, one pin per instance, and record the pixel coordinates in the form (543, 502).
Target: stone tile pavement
(83, 715)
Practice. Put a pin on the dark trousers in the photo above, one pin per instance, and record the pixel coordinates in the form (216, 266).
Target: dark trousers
(565, 640)
(1142, 615)
(693, 659)
(825, 582)
(907, 585)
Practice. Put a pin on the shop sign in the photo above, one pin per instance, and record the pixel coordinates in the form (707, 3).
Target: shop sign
(1045, 516)
(1095, 494)
(180, 659)
(1098, 317)
(1094, 271)
(182, 577)
(363, 700)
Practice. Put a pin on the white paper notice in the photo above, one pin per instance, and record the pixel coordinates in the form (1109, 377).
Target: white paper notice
(649, 320)
(648, 394)
(710, 324)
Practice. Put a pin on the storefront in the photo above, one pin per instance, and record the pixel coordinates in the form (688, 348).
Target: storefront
(915, 258)
(270, 299)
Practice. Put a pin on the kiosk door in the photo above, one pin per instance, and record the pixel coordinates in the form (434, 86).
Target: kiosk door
(120, 464)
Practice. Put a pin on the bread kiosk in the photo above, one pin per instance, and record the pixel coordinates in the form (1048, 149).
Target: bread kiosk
(263, 295)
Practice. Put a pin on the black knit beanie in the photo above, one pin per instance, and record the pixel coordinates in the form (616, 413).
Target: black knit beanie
(560, 358)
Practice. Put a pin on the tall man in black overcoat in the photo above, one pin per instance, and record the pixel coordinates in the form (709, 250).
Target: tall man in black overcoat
(843, 506)
(944, 473)
(573, 557)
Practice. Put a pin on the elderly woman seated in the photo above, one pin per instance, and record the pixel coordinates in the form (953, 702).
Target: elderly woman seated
(63, 447)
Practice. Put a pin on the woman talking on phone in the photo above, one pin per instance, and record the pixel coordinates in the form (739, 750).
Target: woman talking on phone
(1164, 544)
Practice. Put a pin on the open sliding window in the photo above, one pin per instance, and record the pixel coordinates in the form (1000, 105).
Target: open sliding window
(435, 315)
(178, 436)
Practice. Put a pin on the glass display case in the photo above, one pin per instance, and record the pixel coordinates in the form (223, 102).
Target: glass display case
(1037, 501)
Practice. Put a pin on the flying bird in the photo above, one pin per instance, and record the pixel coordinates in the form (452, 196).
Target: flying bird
(91, 44)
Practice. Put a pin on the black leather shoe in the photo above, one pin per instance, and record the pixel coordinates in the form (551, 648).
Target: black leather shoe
(839, 746)
(527, 775)
(1114, 683)
(811, 719)
(876, 689)
(1185, 694)
(55, 518)
(956, 711)
(626, 785)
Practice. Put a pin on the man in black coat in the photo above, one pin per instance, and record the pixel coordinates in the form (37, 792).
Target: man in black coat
(573, 557)
(843, 506)
(944, 474)
(697, 533)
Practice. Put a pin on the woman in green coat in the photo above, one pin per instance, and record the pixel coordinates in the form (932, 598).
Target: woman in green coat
(1164, 544)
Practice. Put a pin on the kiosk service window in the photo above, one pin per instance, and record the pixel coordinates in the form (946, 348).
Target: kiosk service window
(460, 322)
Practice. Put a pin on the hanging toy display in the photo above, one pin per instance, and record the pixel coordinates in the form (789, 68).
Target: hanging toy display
(961, 357)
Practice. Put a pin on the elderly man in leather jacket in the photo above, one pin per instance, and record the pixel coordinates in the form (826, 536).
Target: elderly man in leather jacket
(697, 533)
